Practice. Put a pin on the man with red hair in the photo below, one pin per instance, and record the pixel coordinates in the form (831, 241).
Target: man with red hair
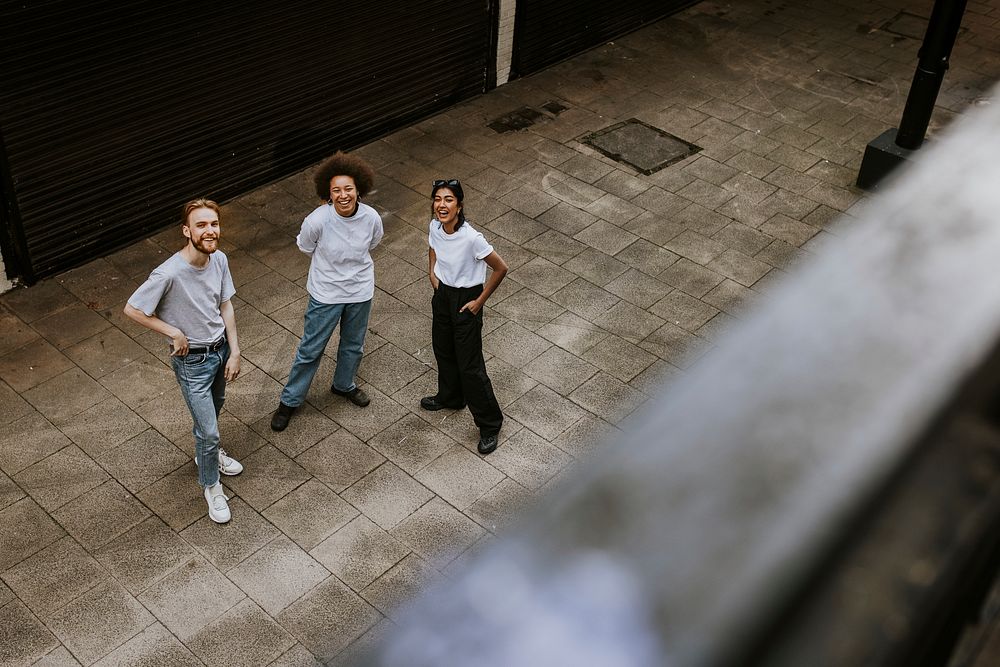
(188, 300)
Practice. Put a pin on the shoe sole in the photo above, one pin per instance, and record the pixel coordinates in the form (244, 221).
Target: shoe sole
(218, 521)
(442, 407)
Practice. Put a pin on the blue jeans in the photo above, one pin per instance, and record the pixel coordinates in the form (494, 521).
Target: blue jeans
(203, 384)
(321, 320)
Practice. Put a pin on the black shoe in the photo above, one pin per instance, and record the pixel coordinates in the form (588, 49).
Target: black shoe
(281, 417)
(433, 404)
(356, 396)
(487, 444)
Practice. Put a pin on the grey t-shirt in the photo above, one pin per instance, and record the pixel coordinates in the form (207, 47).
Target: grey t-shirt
(187, 297)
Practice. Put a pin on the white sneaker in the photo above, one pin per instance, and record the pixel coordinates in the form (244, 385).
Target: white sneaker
(228, 465)
(218, 505)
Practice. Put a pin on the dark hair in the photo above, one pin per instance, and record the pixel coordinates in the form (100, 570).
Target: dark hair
(342, 164)
(456, 188)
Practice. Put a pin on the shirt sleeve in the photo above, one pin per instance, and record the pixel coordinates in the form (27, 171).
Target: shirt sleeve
(377, 232)
(228, 288)
(147, 297)
(481, 246)
(309, 234)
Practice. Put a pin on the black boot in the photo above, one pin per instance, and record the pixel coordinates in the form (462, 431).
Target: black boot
(281, 417)
(487, 444)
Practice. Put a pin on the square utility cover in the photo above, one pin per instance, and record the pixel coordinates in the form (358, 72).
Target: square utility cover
(907, 25)
(643, 147)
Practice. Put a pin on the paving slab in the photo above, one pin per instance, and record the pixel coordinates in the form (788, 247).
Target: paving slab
(99, 621)
(155, 643)
(328, 618)
(23, 638)
(191, 597)
(56, 576)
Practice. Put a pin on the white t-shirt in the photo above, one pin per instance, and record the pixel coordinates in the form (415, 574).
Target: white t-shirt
(187, 297)
(460, 255)
(342, 270)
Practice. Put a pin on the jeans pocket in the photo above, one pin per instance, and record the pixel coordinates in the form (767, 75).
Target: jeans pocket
(194, 359)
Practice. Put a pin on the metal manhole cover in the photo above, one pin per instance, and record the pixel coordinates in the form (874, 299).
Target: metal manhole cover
(643, 147)
(907, 25)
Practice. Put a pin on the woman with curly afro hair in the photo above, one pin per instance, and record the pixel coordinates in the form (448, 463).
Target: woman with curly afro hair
(339, 236)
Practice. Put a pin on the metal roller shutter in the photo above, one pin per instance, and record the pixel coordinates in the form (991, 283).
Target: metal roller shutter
(547, 31)
(112, 114)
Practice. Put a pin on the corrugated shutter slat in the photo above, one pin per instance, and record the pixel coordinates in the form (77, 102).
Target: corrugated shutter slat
(112, 114)
(547, 31)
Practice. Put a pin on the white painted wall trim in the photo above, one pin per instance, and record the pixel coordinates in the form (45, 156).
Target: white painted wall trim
(5, 285)
(505, 40)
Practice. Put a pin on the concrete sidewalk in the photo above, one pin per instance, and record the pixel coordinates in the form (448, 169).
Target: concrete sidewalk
(618, 282)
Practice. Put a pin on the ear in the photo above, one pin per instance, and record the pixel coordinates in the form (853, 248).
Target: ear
(186, 230)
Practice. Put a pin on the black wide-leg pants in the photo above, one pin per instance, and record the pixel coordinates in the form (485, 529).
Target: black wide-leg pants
(458, 347)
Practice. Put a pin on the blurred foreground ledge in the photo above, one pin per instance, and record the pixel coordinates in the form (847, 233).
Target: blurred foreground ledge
(821, 489)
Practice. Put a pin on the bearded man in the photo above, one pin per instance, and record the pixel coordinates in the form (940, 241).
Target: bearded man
(188, 300)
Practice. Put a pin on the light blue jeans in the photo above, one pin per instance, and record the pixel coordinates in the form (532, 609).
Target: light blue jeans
(203, 384)
(321, 320)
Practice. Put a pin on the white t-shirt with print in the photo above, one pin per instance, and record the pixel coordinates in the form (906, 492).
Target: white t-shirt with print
(460, 255)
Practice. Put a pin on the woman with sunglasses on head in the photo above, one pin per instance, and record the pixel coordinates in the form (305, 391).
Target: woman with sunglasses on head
(339, 236)
(458, 257)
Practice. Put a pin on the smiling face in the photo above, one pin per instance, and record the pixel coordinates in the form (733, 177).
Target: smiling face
(446, 206)
(344, 195)
(202, 230)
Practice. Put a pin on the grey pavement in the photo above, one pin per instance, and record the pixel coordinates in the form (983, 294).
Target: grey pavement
(619, 282)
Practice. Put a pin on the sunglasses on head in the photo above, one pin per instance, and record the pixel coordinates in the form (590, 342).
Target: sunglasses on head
(440, 183)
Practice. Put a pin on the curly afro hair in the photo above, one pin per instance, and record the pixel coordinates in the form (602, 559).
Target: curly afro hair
(342, 164)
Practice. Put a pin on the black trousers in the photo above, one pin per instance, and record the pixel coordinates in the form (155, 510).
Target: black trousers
(458, 347)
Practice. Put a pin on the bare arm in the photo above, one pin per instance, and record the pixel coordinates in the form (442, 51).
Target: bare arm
(178, 340)
(431, 261)
(495, 262)
(233, 364)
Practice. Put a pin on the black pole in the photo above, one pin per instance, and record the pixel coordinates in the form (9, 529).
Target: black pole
(886, 151)
(946, 19)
